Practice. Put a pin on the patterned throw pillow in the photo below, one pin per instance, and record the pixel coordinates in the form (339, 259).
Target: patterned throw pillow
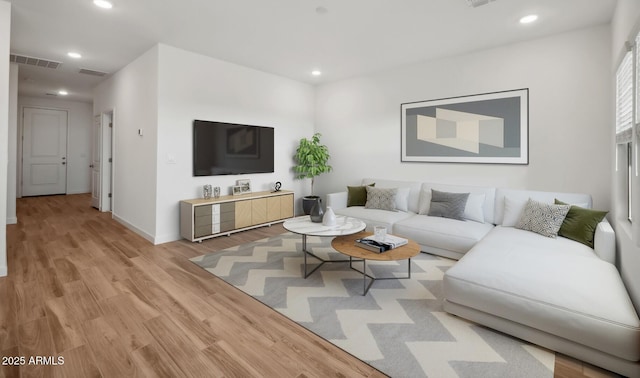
(448, 205)
(542, 218)
(379, 198)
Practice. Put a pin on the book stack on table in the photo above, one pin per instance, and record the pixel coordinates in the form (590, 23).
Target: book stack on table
(389, 242)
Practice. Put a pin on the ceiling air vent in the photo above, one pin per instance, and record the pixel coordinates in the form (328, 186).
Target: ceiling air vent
(92, 72)
(29, 60)
(477, 3)
(51, 94)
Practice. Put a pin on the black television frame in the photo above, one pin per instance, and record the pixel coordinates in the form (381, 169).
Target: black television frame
(247, 149)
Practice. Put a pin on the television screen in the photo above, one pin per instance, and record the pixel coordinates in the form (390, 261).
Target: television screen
(231, 149)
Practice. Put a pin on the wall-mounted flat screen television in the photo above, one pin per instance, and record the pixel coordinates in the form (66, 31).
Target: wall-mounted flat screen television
(231, 149)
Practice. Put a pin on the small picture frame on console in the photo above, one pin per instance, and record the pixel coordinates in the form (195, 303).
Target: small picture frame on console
(245, 186)
(237, 189)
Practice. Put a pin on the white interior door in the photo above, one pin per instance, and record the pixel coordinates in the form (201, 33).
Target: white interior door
(96, 152)
(44, 152)
(106, 172)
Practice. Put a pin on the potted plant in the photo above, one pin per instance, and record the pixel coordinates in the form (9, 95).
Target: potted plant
(311, 160)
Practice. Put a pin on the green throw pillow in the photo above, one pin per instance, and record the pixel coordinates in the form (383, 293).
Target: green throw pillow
(357, 195)
(580, 224)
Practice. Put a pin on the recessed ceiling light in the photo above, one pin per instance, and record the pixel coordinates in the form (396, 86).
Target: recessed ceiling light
(103, 4)
(528, 19)
(316, 73)
(74, 55)
(63, 92)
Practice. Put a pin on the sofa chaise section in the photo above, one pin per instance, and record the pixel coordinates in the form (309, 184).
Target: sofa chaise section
(554, 289)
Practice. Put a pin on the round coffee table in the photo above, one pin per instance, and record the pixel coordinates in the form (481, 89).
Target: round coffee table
(305, 227)
(347, 246)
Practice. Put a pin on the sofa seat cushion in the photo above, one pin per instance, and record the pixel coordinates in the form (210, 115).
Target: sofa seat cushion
(375, 217)
(557, 286)
(442, 233)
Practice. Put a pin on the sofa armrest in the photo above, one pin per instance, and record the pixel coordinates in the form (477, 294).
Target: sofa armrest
(604, 243)
(337, 200)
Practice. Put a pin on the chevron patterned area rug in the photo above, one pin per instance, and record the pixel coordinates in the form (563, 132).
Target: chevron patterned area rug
(399, 327)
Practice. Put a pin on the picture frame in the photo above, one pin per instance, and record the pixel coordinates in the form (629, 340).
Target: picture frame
(237, 190)
(490, 128)
(245, 186)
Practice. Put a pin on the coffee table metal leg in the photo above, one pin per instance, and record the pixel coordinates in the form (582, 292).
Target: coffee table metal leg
(305, 252)
(364, 277)
(372, 279)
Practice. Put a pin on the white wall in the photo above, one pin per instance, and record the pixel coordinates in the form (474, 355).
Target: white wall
(193, 86)
(5, 38)
(568, 77)
(625, 23)
(78, 139)
(131, 94)
(12, 145)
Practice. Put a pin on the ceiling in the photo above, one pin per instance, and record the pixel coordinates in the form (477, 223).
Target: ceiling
(290, 38)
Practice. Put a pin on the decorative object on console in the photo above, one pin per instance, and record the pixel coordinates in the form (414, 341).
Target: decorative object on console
(329, 218)
(311, 160)
(206, 191)
(237, 189)
(245, 185)
(277, 186)
(316, 212)
(483, 128)
(216, 192)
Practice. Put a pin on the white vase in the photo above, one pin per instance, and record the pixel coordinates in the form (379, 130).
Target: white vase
(329, 218)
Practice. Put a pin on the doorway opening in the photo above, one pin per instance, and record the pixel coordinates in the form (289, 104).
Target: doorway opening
(102, 162)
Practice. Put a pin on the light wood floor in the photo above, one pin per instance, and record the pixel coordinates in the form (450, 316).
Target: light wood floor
(83, 287)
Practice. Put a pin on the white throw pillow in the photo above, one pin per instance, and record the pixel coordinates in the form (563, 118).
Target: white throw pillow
(513, 208)
(402, 199)
(425, 202)
(473, 210)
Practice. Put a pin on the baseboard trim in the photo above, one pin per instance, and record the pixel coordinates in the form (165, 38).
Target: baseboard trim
(166, 239)
(133, 228)
(3, 271)
(12, 220)
(80, 191)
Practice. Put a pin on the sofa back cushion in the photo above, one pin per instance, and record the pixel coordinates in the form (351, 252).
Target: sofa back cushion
(510, 202)
(408, 192)
(488, 192)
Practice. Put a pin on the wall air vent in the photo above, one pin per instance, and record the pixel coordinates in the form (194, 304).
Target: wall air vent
(51, 94)
(92, 72)
(477, 3)
(38, 62)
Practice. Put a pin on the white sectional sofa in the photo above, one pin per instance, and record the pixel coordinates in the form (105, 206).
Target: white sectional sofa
(554, 292)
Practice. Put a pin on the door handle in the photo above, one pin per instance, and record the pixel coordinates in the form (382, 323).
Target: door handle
(64, 163)
(91, 166)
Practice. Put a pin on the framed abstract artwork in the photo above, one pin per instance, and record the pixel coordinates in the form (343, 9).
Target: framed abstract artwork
(482, 128)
